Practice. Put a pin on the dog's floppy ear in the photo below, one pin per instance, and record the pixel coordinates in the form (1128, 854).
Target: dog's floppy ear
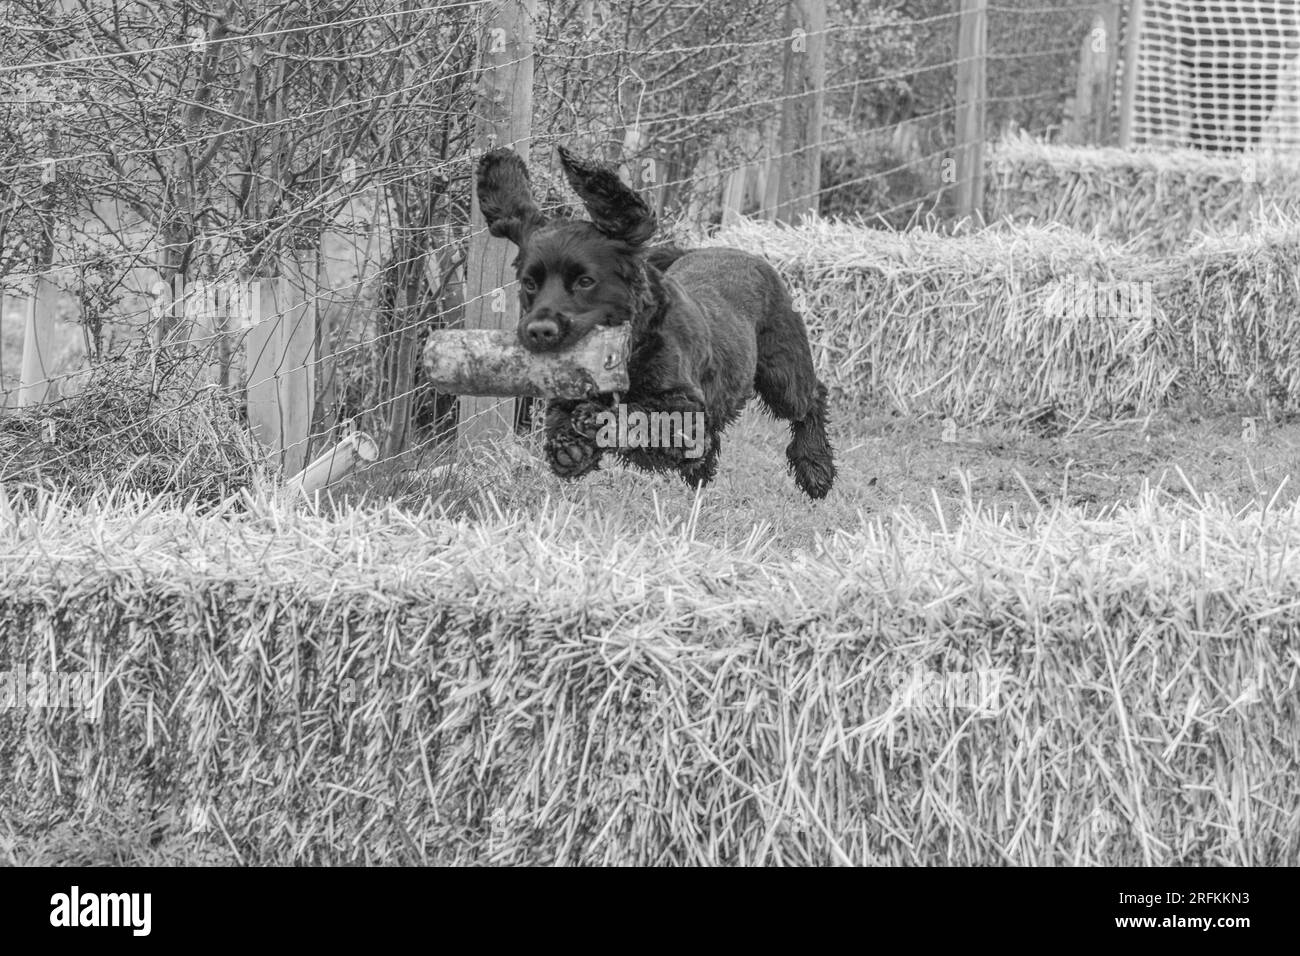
(506, 196)
(615, 209)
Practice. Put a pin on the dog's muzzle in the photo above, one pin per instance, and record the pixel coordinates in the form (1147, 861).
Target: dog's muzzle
(542, 330)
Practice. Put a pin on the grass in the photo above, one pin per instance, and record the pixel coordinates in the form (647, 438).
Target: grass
(890, 461)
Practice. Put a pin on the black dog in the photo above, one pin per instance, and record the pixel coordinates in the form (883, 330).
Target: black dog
(710, 327)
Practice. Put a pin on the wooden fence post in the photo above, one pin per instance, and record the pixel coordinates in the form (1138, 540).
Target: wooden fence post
(13, 313)
(733, 195)
(280, 359)
(261, 345)
(402, 353)
(199, 312)
(644, 166)
(505, 108)
(1108, 10)
(1132, 44)
(972, 45)
(1088, 109)
(34, 386)
(765, 174)
(803, 91)
(325, 378)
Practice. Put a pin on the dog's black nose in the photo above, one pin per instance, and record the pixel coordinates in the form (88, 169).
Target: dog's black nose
(539, 334)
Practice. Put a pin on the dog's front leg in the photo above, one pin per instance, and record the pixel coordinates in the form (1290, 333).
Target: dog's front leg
(571, 449)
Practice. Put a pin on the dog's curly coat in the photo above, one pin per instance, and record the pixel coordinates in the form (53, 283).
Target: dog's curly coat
(710, 327)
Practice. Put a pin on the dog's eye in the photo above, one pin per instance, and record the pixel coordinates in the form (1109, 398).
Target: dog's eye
(585, 282)
(528, 284)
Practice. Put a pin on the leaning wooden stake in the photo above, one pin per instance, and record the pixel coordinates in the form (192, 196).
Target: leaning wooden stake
(338, 462)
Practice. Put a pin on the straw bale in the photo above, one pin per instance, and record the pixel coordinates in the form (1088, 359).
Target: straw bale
(382, 687)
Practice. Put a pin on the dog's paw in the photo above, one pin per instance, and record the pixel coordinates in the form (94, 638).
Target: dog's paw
(585, 420)
(571, 455)
(696, 474)
(705, 447)
(700, 469)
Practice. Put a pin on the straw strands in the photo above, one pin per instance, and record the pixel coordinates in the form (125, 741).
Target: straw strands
(131, 429)
(379, 686)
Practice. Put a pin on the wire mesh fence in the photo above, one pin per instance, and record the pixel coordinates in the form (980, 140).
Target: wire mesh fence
(1218, 75)
(266, 206)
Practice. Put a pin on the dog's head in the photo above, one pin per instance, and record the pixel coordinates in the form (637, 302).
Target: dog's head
(573, 275)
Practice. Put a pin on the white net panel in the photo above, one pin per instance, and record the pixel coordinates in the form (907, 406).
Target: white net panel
(1218, 75)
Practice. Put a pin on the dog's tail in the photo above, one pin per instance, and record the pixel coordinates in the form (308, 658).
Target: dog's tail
(663, 256)
(812, 461)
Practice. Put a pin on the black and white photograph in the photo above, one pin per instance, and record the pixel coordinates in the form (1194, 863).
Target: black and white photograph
(651, 434)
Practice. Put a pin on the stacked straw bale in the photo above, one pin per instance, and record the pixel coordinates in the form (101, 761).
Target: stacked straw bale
(128, 429)
(981, 327)
(386, 688)
(1156, 198)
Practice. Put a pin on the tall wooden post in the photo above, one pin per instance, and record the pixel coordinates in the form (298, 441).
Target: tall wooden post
(280, 358)
(402, 354)
(1088, 110)
(1108, 10)
(972, 47)
(1132, 44)
(12, 312)
(505, 114)
(38, 329)
(803, 92)
(766, 173)
(733, 195)
(34, 386)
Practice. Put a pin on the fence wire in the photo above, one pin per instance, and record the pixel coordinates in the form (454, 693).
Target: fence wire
(164, 165)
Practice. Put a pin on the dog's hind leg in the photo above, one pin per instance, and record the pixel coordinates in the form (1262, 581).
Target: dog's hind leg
(787, 385)
(812, 460)
(700, 471)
